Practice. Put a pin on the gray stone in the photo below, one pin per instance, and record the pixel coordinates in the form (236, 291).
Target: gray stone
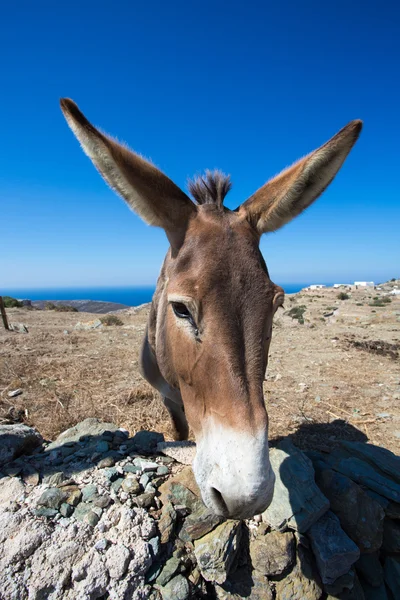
(52, 498)
(334, 551)
(367, 476)
(387, 462)
(14, 393)
(54, 479)
(341, 584)
(116, 485)
(273, 554)
(66, 509)
(244, 584)
(89, 493)
(102, 501)
(199, 523)
(182, 452)
(354, 593)
(392, 575)
(101, 545)
(154, 544)
(108, 461)
(303, 582)
(30, 475)
(216, 551)
(374, 593)
(45, 512)
(369, 566)
(89, 427)
(131, 469)
(131, 486)
(171, 568)
(145, 465)
(88, 325)
(167, 522)
(112, 474)
(16, 440)
(144, 500)
(18, 327)
(117, 560)
(145, 442)
(144, 480)
(360, 516)
(391, 536)
(176, 589)
(101, 447)
(297, 500)
(162, 470)
(85, 514)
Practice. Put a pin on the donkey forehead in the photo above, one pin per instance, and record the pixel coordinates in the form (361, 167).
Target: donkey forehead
(220, 250)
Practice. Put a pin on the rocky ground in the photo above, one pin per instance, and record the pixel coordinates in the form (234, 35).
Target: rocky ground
(97, 514)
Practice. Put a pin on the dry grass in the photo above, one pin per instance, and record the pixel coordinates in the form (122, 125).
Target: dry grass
(318, 385)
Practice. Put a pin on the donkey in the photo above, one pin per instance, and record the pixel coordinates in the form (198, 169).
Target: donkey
(209, 330)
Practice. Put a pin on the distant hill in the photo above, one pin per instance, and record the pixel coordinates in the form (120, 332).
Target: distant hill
(90, 306)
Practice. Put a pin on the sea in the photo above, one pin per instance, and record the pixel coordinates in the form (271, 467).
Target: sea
(131, 296)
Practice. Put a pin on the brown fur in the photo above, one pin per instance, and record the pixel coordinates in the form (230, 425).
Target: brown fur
(216, 367)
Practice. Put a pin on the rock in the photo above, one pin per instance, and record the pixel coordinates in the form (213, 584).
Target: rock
(341, 584)
(108, 461)
(199, 523)
(131, 469)
(18, 327)
(16, 440)
(244, 584)
(66, 510)
(216, 551)
(297, 500)
(112, 474)
(176, 589)
(374, 593)
(101, 545)
(52, 498)
(14, 393)
(392, 575)
(30, 475)
(387, 462)
(54, 479)
(391, 536)
(182, 452)
(144, 500)
(145, 465)
(84, 514)
(162, 470)
(89, 493)
(74, 495)
(171, 568)
(131, 486)
(11, 489)
(144, 480)
(369, 566)
(101, 447)
(117, 560)
(102, 501)
(88, 325)
(273, 554)
(90, 427)
(167, 522)
(45, 512)
(360, 516)
(145, 442)
(355, 593)
(303, 582)
(334, 551)
(367, 476)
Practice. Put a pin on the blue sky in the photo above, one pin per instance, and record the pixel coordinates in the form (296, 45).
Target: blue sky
(247, 87)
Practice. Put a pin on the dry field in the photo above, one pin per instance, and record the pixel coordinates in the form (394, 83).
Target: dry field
(328, 378)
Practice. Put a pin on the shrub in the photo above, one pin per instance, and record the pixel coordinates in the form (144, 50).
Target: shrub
(386, 299)
(60, 307)
(343, 296)
(297, 312)
(377, 303)
(111, 320)
(359, 303)
(11, 302)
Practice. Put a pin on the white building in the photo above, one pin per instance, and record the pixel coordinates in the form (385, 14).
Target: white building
(364, 283)
(317, 286)
(341, 285)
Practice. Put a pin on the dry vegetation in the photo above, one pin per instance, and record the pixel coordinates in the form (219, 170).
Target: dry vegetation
(329, 377)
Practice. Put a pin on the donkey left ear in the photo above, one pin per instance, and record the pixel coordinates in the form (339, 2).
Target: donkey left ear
(287, 195)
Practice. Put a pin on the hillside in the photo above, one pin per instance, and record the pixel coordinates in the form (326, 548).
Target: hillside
(333, 370)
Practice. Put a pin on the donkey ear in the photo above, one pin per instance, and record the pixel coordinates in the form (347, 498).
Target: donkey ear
(150, 193)
(287, 195)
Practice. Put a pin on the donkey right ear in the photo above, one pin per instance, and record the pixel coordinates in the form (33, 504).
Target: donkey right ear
(150, 193)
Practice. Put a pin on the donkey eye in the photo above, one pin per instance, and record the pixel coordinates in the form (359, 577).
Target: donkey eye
(181, 311)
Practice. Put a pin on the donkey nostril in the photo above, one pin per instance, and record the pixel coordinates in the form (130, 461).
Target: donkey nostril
(217, 498)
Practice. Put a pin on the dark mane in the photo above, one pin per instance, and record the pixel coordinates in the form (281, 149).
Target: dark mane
(210, 188)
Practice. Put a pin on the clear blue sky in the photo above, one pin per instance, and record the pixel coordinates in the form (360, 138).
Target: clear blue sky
(247, 87)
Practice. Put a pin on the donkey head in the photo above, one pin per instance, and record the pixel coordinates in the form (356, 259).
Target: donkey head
(215, 302)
